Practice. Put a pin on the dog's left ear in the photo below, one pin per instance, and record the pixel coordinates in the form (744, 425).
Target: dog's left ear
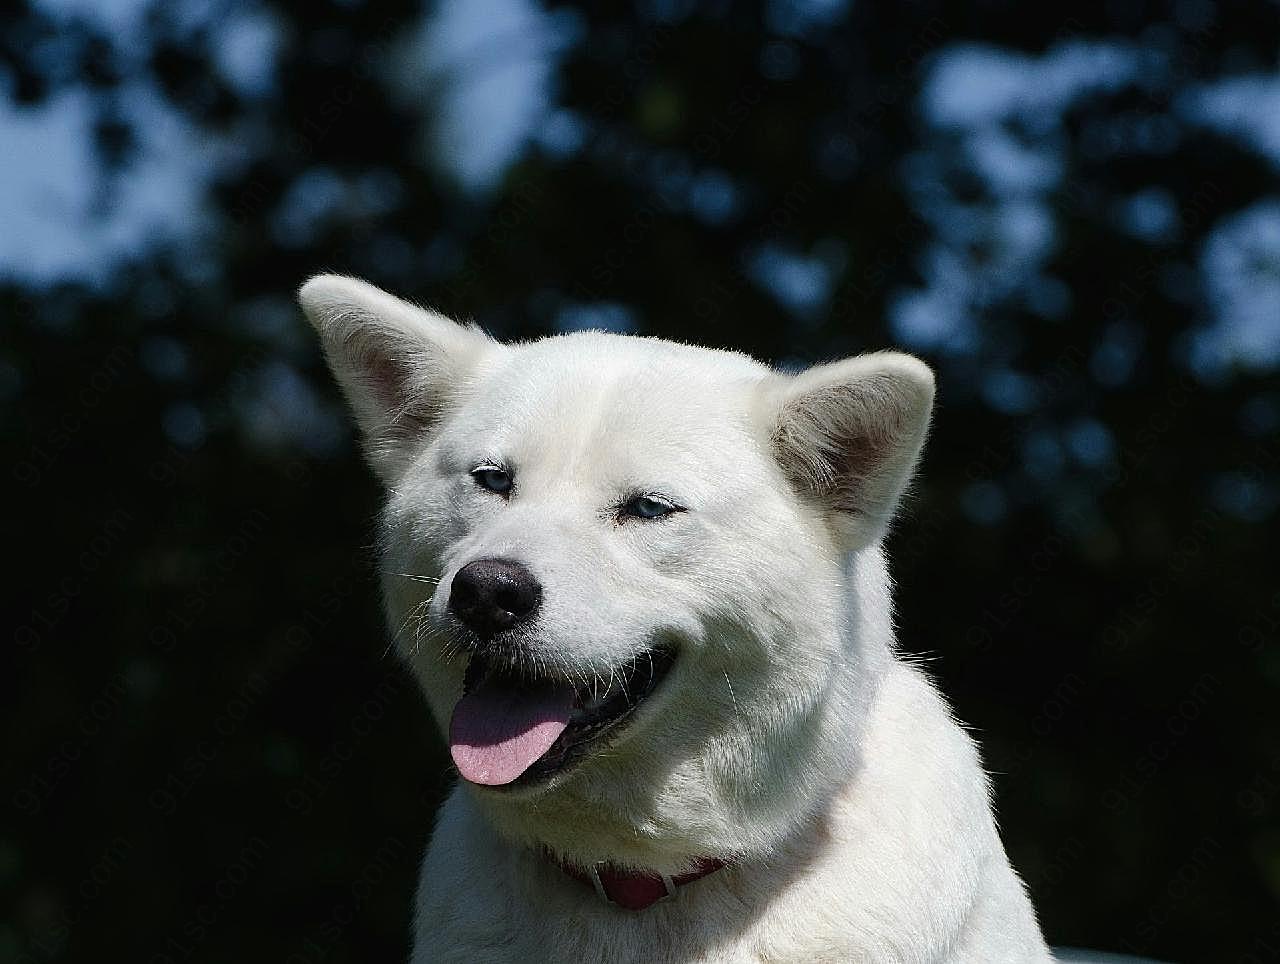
(848, 435)
(400, 366)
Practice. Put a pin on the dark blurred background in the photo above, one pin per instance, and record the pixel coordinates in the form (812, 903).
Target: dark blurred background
(1072, 213)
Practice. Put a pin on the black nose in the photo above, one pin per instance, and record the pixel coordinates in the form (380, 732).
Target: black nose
(490, 595)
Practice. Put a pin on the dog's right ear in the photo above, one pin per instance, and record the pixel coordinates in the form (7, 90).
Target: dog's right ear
(397, 364)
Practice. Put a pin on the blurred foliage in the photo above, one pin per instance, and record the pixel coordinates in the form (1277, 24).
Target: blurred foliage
(1072, 213)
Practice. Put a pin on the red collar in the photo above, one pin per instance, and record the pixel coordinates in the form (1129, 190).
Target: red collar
(636, 889)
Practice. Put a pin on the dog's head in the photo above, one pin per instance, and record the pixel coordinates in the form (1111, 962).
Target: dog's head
(639, 581)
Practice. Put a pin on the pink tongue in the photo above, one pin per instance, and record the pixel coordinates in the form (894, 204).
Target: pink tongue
(498, 732)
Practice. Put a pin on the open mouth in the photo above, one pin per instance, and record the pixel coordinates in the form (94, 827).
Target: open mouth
(512, 729)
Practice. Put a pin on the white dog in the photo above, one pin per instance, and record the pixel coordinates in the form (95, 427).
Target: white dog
(642, 586)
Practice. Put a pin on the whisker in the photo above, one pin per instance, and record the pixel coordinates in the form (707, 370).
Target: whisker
(420, 628)
(432, 580)
(414, 613)
(581, 678)
(395, 636)
(731, 696)
(626, 690)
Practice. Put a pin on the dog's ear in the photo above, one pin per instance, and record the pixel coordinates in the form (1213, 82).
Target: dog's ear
(848, 435)
(397, 364)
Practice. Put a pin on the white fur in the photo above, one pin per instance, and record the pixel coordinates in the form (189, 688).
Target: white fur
(788, 739)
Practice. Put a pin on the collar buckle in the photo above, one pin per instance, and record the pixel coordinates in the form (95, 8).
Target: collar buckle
(670, 885)
(596, 882)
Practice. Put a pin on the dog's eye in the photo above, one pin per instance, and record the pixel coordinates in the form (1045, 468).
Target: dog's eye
(492, 478)
(649, 507)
